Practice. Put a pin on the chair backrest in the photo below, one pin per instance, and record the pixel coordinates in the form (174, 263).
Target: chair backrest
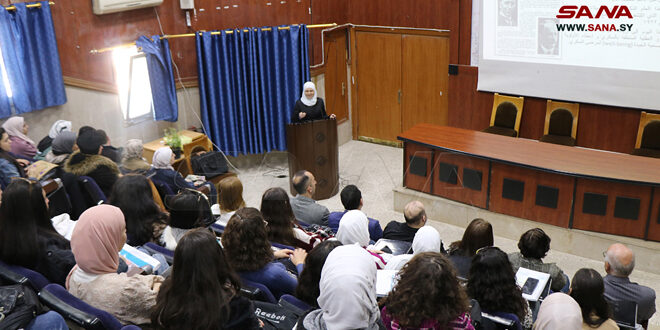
(92, 189)
(282, 246)
(648, 133)
(262, 294)
(58, 299)
(296, 302)
(624, 312)
(76, 195)
(561, 118)
(163, 188)
(155, 248)
(507, 111)
(21, 275)
(58, 199)
(217, 229)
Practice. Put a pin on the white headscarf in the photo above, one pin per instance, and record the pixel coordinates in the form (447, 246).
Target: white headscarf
(348, 289)
(14, 127)
(559, 311)
(162, 158)
(354, 228)
(304, 98)
(427, 239)
(59, 127)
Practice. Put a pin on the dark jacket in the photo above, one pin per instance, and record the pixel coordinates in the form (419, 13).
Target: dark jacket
(103, 170)
(56, 260)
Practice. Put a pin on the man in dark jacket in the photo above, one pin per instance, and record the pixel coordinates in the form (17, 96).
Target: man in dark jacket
(89, 162)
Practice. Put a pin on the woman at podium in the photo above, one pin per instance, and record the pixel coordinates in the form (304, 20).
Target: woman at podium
(309, 106)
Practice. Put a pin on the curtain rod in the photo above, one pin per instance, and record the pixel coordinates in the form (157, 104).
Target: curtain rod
(186, 35)
(33, 5)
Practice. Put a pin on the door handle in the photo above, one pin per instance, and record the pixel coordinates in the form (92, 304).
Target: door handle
(399, 96)
(343, 88)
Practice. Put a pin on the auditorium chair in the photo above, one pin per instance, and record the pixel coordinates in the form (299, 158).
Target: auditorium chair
(505, 116)
(257, 291)
(154, 248)
(20, 275)
(77, 311)
(648, 136)
(94, 194)
(624, 313)
(561, 121)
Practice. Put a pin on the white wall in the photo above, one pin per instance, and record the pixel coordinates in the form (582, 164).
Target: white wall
(101, 110)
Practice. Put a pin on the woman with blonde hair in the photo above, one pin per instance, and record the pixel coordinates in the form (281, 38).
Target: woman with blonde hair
(230, 199)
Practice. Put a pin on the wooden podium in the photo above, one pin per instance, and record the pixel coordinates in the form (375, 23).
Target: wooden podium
(312, 146)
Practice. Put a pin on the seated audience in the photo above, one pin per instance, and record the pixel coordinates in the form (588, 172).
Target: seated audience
(132, 160)
(559, 311)
(534, 245)
(162, 171)
(587, 289)
(427, 296)
(492, 283)
(427, 239)
(21, 145)
(351, 198)
(27, 236)
(304, 206)
(619, 264)
(230, 199)
(144, 220)
(248, 251)
(62, 146)
(89, 162)
(97, 238)
(353, 229)
(189, 209)
(478, 234)
(415, 216)
(10, 166)
(308, 280)
(347, 293)
(282, 226)
(55, 130)
(203, 291)
(108, 150)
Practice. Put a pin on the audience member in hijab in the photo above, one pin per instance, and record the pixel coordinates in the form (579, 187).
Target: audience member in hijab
(347, 293)
(203, 291)
(55, 130)
(559, 311)
(188, 210)
(132, 160)
(62, 147)
(163, 172)
(21, 145)
(97, 239)
(108, 150)
(354, 229)
(427, 296)
(89, 162)
(308, 280)
(10, 166)
(27, 236)
(309, 106)
(427, 239)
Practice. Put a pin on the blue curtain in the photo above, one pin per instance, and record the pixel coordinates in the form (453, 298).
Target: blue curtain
(161, 77)
(248, 84)
(29, 48)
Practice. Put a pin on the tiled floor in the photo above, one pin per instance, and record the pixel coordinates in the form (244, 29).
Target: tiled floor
(377, 170)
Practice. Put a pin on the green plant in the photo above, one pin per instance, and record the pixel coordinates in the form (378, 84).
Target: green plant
(172, 138)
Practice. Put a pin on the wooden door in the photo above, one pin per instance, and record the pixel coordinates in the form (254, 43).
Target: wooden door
(378, 81)
(425, 80)
(336, 83)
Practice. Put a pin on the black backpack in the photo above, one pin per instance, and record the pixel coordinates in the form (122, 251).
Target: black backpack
(19, 305)
(209, 164)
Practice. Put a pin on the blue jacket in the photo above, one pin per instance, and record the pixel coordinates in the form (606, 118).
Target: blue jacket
(274, 276)
(7, 171)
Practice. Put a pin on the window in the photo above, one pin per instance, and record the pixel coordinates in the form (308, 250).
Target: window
(132, 79)
(4, 76)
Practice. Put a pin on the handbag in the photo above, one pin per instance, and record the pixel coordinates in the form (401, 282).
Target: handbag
(209, 164)
(19, 305)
